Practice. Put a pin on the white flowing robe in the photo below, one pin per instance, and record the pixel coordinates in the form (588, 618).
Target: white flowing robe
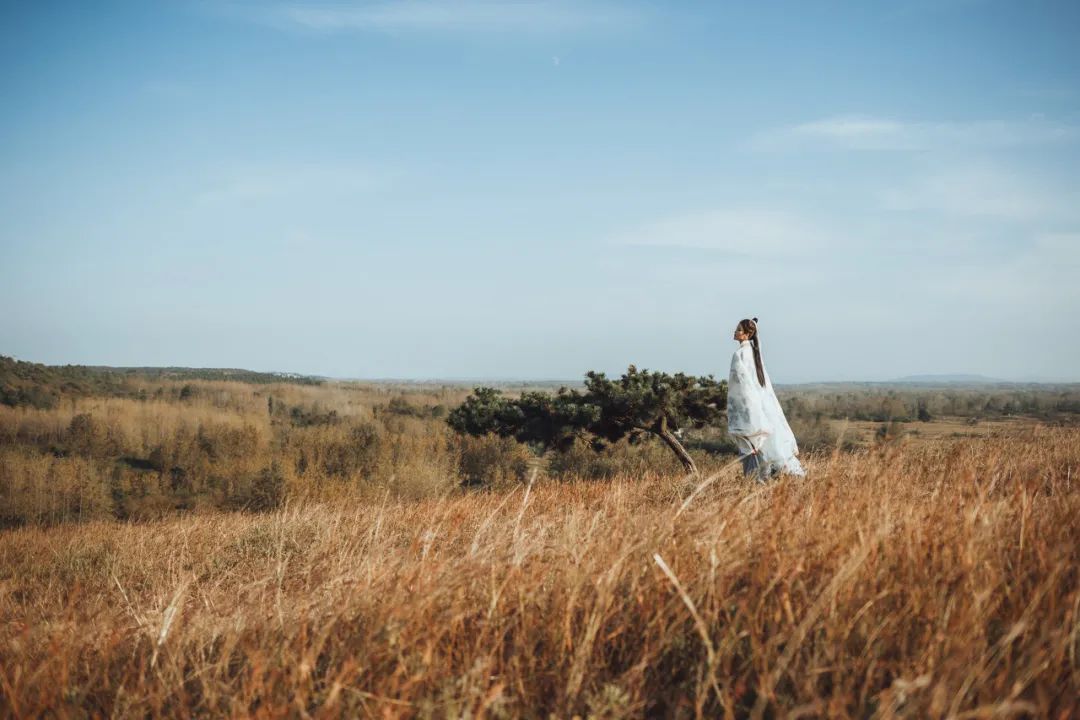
(756, 418)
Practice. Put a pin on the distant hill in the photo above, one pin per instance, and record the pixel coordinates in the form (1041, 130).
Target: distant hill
(42, 386)
(186, 373)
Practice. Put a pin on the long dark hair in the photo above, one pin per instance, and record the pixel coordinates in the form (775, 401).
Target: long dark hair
(750, 328)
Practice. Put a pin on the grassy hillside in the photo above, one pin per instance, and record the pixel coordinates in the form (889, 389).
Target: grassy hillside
(90, 443)
(920, 580)
(42, 386)
(335, 550)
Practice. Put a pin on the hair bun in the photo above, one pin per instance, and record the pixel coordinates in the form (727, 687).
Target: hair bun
(754, 319)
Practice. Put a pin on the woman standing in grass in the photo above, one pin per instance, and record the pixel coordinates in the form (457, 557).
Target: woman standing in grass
(755, 417)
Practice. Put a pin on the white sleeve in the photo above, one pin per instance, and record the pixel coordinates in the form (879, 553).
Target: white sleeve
(745, 400)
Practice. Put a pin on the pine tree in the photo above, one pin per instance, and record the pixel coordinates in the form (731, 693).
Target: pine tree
(638, 404)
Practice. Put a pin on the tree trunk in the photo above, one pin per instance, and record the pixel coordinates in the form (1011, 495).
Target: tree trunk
(661, 429)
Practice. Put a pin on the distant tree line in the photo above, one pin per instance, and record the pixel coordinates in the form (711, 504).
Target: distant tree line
(904, 405)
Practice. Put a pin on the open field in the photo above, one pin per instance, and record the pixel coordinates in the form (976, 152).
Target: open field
(936, 578)
(188, 545)
(455, 360)
(81, 444)
(865, 432)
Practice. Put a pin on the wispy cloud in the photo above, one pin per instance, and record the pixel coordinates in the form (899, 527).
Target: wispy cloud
(867, 132)
(1037, 280)
(982, 190)
(1062, 247)
(737, 232)
(273, 183)
(461, 16)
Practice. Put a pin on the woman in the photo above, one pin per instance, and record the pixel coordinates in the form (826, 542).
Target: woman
(755, 417)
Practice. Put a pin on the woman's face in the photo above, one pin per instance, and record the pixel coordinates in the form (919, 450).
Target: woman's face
(740, 334)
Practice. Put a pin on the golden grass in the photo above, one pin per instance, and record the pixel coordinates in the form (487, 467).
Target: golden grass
(862, 432)
(936, 579)
(199, 445)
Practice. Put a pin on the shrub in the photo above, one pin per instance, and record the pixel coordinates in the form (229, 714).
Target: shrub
(44, 489)
(265, 490)
(639, 403)
(90, 438)
(306, 418)
(340, 451)
(890, 431)
(491, 460)
(617, 459)
(814, 433)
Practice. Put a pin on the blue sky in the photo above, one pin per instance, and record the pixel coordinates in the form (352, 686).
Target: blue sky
(539, 188)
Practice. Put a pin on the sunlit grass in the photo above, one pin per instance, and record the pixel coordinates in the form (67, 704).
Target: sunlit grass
(924, 579)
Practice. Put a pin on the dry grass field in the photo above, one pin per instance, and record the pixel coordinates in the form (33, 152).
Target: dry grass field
(923, 578)
(864, 432)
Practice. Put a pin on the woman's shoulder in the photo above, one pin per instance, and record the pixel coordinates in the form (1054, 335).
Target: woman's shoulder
(744, 351)
(743, 357)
